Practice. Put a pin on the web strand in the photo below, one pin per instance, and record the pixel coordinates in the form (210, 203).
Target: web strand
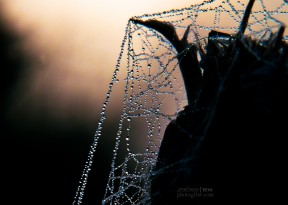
(153, 88)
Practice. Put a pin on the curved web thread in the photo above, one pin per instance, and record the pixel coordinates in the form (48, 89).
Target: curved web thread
(153, 91)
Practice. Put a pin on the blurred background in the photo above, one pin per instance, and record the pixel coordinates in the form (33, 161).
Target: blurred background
(56, 62)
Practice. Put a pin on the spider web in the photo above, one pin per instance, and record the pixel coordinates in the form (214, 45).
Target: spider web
(148, 79)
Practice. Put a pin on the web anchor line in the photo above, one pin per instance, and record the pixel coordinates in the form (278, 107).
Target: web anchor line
(159, 70)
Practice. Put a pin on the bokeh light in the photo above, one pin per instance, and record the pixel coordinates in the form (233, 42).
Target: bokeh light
(74, 46)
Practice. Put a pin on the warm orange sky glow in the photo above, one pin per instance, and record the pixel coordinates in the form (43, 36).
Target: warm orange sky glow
(77, 43)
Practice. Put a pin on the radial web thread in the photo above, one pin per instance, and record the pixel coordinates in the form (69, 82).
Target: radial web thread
(153, 88)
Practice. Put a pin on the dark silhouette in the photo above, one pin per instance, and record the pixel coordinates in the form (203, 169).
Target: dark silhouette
(188, 63)
(228, 144)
